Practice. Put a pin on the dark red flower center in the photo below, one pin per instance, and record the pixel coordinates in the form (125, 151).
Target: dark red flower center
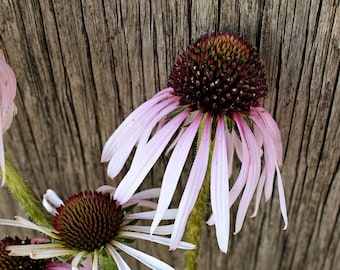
(88, 220)
(219, 73)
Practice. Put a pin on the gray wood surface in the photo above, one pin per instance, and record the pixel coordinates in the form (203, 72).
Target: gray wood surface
(82, 66)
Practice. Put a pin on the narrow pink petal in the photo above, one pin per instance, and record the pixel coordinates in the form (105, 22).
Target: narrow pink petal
(174, 169)
(156, 239)
(148, 215)
(273, 130)
(219, 187)
(121, 264)
(147, 194)
(76, 260)
(230, 152)
(270, 157)
(127, 141)
(193, 186)
(95, 260)
(252, 155)
(144, 258)
(151, 152)
(259, 191)
(136, 116)
(145, 135)
(283, 206)
(191, 117)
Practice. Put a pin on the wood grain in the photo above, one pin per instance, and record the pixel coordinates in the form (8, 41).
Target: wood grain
(82, 66)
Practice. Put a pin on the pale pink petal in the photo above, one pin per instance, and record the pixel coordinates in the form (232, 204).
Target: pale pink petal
(142, 203)
(151, 152)
(168, 215)
(219, 187)
(160, 230)
(156, 239)
(121, 264)
(274, 131)
(230, 152)
(259, 190)
(174, 169)
(151, 193)
(53, 198)
(95, 260)
(76, 260)
(126, 142)
(190, 118)
(251, 155)
(7, 106)
(128, 124)
(144, 258)
(106, 189)
(282, 198)
(270, 157)
(193, 186)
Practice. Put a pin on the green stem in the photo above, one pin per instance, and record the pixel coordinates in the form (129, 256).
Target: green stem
(196, 219)
(23, 193)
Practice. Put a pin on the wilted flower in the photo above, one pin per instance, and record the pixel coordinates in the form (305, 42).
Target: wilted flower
(214, 91)
(92, 223)
(7, 107)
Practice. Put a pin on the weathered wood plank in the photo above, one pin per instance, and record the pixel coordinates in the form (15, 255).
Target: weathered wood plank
(82, 66)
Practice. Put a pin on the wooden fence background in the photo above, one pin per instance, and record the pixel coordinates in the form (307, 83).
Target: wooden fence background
(82, 66)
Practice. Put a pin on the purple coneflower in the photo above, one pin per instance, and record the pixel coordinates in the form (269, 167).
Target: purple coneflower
(25, 262)
(8, 86)
(90, 224)
(214, 92)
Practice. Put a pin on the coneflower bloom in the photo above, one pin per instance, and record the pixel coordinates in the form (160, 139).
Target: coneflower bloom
(25, 262)
(90, 224)
(213, 90)
(8, 109)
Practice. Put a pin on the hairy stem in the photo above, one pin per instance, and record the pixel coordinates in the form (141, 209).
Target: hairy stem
(23, 193)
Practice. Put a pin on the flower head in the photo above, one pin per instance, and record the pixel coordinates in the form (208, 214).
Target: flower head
(7, 106)
(214, 92)
(90, 224)
(25, 262)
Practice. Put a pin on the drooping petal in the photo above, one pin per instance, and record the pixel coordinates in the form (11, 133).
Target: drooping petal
(144, 258)
(274, 131)
(270, 155)
(112, 143)
(151, 152)
(121, 264)
(251, 155)
(219, 187)
(283, 206)
(174, 169)
(141, 127)
(193, 186)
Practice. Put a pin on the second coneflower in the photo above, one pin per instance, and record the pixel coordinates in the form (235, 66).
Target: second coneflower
(214, 92)
(90, 225)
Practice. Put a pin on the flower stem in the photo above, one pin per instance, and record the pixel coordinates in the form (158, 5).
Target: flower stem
(23, 193)
(196, 219)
